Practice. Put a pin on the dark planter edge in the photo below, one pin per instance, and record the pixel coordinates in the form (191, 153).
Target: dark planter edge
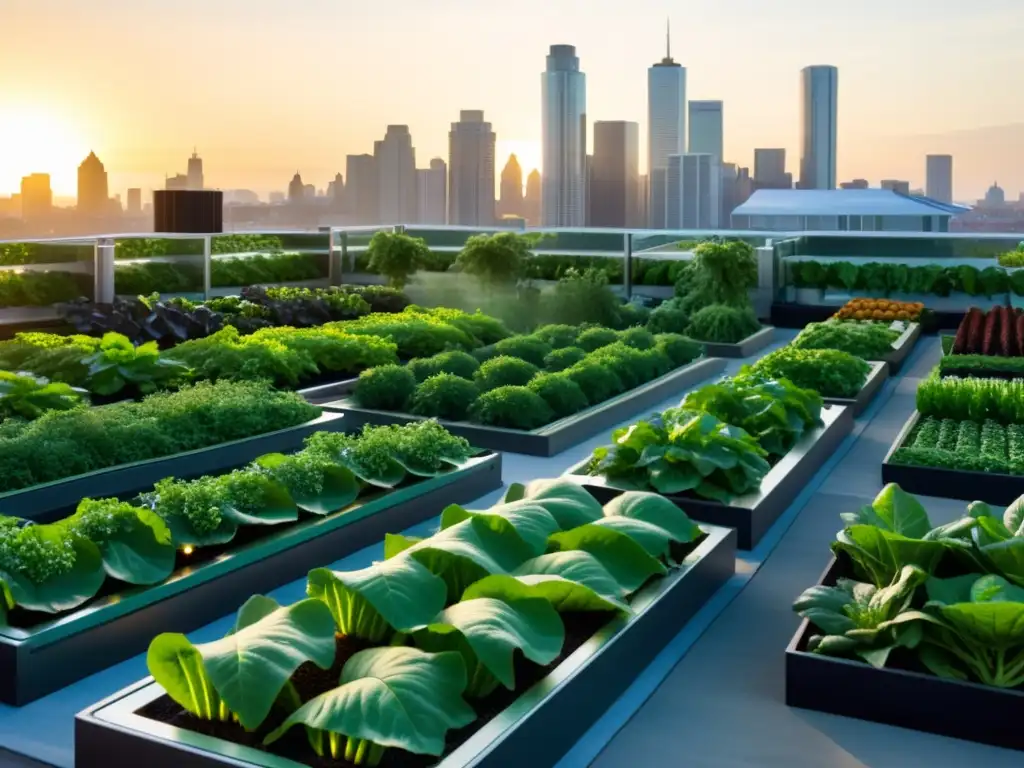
(872, 386)
(36, 663)
(541, 725)
(753, 515)
(893, 696)
(902, 347)
(560, 435)
(324, 392)
(746, 348)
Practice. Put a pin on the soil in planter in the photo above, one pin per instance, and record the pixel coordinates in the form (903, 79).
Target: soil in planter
(311, 681)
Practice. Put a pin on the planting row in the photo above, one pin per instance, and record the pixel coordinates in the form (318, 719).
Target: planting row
(894, 278)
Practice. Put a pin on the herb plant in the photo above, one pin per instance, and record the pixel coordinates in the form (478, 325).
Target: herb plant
(866, 340)
(829, 372)
(723, 324)
(25, 396)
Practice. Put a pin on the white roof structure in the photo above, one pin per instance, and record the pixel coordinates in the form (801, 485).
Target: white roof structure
(842, 202)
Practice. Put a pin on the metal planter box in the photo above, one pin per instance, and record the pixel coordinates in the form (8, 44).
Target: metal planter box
(38, 661)
(753, 514)
(538, 728)
(902, 347)
(746, 348)
(906, 699)
(559, 435)
(872, 386)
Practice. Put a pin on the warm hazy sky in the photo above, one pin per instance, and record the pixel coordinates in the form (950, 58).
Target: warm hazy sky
(265, 87)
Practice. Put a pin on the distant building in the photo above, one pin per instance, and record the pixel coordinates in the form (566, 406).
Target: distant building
(134, 201)
(564, 139)
(666, 129)
(432, 192)
(93, 193)
(510, 202)
(994, 197)
(36, 196)
(707, 135)
(895, 185)
(336, 191)
(361, 191)
(296, 189)
(276, 198)
(471, 144)
(694, 191)
(939, 177)
(395, 158)
(244, 197)
(309, 192)
(195, 172)
(531, 200)
(770, 169)
(855, 184)
(177, 182)
(614, 191)
(819, 114)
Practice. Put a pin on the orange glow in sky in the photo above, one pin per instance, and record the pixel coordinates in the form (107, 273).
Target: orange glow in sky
(38, 139)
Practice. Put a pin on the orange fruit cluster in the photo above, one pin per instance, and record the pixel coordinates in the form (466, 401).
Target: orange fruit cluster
(880, 309)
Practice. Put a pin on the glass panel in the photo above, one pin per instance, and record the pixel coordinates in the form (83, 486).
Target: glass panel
(244, 259)
(164, 265)
(36, 275)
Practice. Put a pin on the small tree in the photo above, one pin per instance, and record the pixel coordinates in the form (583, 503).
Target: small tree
(397, 256)
(496, 260)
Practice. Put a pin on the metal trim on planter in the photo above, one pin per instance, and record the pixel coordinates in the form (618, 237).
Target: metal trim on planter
(990, 487)
(872, 386)
(46, 658)
(560, 435)
(753, 514)
(746, 348)
(537, 729)
(49, 501)
(326, 392)
(894, 697)
(902, 347)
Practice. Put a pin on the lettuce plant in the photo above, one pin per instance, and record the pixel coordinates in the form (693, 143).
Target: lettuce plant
(119, 364)
(26, 396)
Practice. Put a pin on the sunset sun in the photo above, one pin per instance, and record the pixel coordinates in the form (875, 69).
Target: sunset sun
(36, 140)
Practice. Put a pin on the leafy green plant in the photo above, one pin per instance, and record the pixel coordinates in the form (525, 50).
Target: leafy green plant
(40, 289)
(119, 365)
(829, 372)
(444, 396)
(971, 399)
(723, 324)
(503, 371)
(598, 382)
(679, 349)
(721, 273)
(414, 333)
(563, 358)
(386, 388)
(639, 338)
(866, 340)
(595, 338)
(559, 336)
(531, 349)
(562, 394)
(397, 256)
(26, 396)
(669, 317)
(458, 363)
(584, 296)
(514, 407)
(497, 259)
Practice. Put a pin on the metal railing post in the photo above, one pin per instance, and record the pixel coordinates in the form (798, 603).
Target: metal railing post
(103, 271)
(336, 260)
(627, 265)
(207, 264)
(766, 279)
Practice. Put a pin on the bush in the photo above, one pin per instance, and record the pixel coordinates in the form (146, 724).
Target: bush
(561, 393)
(722, 324)
(460, 364)
(559, 336)
(484, 328)
(528, 348)
(668, 317)
(829, 372)
(597, 382)
(444, 396)
(226, 355)
(497, 259)
(416, 335)
(397, 256)
(595, 338)
(331, 350)
(385, 388)
(513, 408)
(638, 338)
(867, 340)
(583, 297)
(504, 371)
(631, 314)
(679, 349)
(720, 273)
(564, 358)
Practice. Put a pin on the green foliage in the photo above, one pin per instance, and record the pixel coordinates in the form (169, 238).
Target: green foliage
(561, 393)
(965, 445)
(482, 328)
(971, 399)
(503, 371)
(829, 372)
(640, 338)
(559, 336)
(563, 358)
(457, 363)
(25, 396)
(1014, 258)
(721, 273)
(595, 338)
(414, 333)
(584, 297)
(444, 396)
(597, 381)
(679, 349)
(118, 364)
(397, 256)
(887, 278)
(529, 348)
(723, 324)
(514, 407)
(497, 259)
(40, 289)
(866, 340)
(386, 388)
(980, 366)
(669, 317)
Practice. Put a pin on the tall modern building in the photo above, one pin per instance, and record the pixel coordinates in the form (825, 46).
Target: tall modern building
(336, 192)
(939, 178)
(296, 189)
(471, 171)
(511, 200)
(134, 201)
(36, 196)
(819, 87)
(770, 169)
(666, 129)
(564, 138)
(614, 192)
(361, 190)
(693, 184)
(195, 172)
(396, 176)
(531, 200)
(706, 129)
(432, 193)
(93, 193)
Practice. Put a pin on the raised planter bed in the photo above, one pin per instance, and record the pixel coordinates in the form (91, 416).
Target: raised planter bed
(902, 346)
(538, 728)
(49, 501)
(48, 656)
(948, 483)
(323, 393)
(753, 514)
(749, 346)
(901, 697)
(557, 436)
(875, 380)
(796, 315)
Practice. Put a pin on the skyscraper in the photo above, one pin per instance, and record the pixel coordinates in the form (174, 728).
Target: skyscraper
(511, 200)
(36, 196)
(93, 194)
(939, 177)
(694, 191)
(564, 134)
(134, 201)
(819, 89)
(770, 169)
(471, 171)
(706, 129)
(432, 192)
(195, 171)
(666, 128)
(531, 200)
(615, 175)
(336, 192)
(396, 176)
(296, 189)
(361, 190)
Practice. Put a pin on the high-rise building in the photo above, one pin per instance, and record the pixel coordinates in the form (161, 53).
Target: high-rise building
(819, 114)
(895, 185)
(36, 196)
(666, 129)
(939, 178)
(93, 193)
(336, 192)
(296, 189)
(395, 157)
(564, 136)
(361, 190)
(177, 182)
(134, 201)
(855, 184)
(432, 192)
(309, 192)
(706, 128)
(615, 175)
(511, 201)
(471, 171)
(531, 200)
(693, 191)
(195, 171)
(770, 169)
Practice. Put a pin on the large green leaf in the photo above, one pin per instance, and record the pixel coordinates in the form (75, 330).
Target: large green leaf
(340, 488)
(995, 589)
(249, 668)
(64, 591)
(184, 534)
(653, 539)
(1013, 517)
(902, 513)
(493, 630)
(570, 504)
(675, 478)
(391, 475)
(564, 595)
(390, 697)
(656, 509)
(463, 553)
(141, 552)
(177, 666)
(277, 505)
(881, 554)
(1008, 558)
(626, 560)
(396, 594)
(530, 521)
(574, 565)
(949, 591)
(997, 626)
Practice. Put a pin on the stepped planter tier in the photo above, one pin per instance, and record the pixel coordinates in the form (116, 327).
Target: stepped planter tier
(902, 347)
(754, 513)
(557, 436)
(904, 697)
(323, 393)
(42, 658)
(537, 728)
(49, 501)
(873, 385)
(965, 485)
(745, 348)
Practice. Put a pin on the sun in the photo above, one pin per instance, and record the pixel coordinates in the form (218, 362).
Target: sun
(527, 153)
(34, 139)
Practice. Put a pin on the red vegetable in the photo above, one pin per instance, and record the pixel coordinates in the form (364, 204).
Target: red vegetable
(960, 342)
(991, 337)
(1020, 333)
(1008, 331)
(975, 331)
